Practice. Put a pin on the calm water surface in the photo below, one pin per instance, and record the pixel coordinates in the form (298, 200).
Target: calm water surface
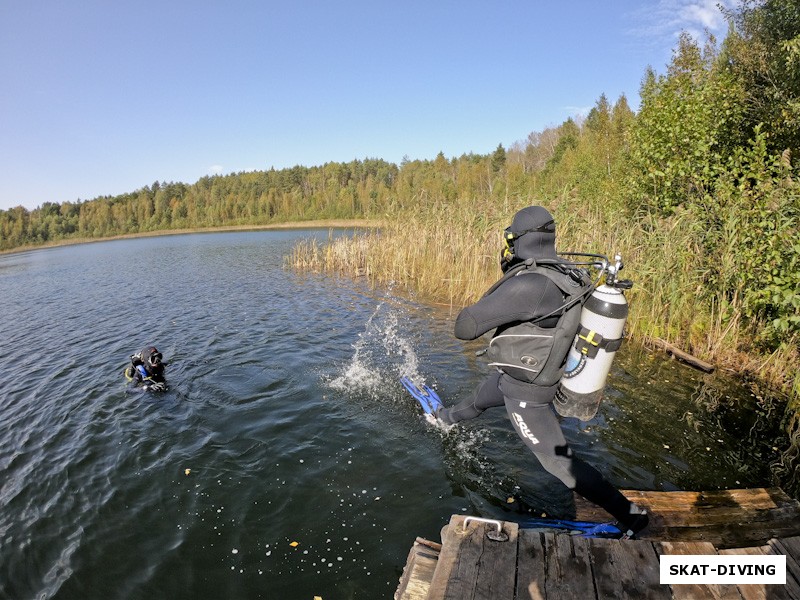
(286, 461)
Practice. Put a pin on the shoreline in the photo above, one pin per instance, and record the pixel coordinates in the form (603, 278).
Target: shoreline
(317, 224)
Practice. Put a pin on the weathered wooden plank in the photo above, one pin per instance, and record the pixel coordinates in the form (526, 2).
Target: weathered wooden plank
(435, 546)
(682, 501)
(685, 548)
(447, 559)
(730, 535)
(418, 572)
(727, 518)
(497, 567)
(697, 515)
(568, 568)
(762, 591)
(790, 547)
(626, 570)
(748, 551)
(757, 591)
(755, 497)
(531, 561)
(471, 566)
(697, 591)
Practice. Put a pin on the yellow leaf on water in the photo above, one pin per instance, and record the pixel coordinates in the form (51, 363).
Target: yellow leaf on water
(510, 500)
(317, 597)
(294, 544)
(187, 471)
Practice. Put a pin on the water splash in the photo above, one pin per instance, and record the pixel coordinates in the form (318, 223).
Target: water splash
(384, 352)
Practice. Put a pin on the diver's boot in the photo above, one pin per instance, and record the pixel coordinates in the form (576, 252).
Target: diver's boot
(638, 521)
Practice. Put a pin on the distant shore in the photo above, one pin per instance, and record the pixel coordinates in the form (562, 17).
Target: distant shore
(319, 224)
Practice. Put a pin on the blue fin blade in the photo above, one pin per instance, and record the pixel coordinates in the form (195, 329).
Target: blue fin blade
(427, 398)
(584, 528)
(603, 530)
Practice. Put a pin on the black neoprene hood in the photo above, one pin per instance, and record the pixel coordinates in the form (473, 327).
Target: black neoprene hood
(532, 243)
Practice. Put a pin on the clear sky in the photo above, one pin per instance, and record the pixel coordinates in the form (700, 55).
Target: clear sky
(102, 97)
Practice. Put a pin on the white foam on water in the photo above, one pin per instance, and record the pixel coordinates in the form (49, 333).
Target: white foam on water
(383, 353)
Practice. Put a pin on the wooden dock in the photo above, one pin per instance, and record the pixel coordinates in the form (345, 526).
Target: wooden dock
(536, 564)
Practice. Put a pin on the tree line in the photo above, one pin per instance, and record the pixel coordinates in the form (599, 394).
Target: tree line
(335, 190)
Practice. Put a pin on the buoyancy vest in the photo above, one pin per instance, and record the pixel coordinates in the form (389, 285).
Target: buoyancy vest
(529, 352)
(137, 368)
(132, 370)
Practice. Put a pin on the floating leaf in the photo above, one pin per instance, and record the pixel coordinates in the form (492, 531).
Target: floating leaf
(294, 544)
(187, 471)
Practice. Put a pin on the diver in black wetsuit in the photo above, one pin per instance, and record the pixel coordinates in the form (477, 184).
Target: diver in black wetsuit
(526, 378)
(146, 371)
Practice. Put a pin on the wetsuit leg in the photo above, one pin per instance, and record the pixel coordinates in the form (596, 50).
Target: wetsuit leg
(538, 427)
(486, 395)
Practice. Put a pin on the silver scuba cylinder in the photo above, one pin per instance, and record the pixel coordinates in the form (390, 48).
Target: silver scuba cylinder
(598, 338)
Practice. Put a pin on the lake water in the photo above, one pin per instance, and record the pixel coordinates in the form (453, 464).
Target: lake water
(286, 461)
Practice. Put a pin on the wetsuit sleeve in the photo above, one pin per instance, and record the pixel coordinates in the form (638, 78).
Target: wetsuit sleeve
(521, 298)
(135, 384)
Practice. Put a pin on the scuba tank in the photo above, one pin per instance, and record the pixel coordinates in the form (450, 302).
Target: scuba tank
(598, 338)
(136, 365)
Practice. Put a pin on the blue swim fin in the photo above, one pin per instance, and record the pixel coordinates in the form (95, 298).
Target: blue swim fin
(425, 396)
(581, 528)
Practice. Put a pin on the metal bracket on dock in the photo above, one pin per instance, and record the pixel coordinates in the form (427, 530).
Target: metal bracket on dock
(495, 536)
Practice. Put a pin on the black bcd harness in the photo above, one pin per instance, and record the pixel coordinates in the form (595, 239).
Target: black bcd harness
(529, 352)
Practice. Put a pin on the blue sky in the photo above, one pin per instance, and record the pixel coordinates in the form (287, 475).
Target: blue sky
(102, 98)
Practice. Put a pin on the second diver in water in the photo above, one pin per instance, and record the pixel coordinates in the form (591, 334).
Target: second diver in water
(146, 371)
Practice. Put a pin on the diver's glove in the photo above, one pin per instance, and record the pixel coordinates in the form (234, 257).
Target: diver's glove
(158, 386)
